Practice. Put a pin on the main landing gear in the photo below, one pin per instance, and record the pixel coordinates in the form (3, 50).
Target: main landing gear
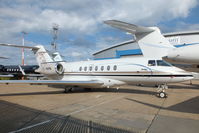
(68, 89)
(161, 91)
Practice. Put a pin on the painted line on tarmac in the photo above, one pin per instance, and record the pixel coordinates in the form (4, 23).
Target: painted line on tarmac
(22, 129)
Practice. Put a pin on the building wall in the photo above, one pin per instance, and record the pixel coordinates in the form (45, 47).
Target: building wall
(186, 39)
(117, 50)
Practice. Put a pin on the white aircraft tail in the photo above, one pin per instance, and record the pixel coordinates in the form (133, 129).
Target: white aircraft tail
(40, 52)
(149, 39)
(42, 55)
(57, 57)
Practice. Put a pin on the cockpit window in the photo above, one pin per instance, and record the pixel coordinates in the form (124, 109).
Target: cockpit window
(151, 63)
(163, 63)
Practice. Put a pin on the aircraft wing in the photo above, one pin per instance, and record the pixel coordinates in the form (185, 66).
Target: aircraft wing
(1, 57)
(131, 28)
(53, 82)
(6, 76)
(18, 46)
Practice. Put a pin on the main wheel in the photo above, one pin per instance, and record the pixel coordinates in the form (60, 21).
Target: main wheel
(162, 95)
(66, 90)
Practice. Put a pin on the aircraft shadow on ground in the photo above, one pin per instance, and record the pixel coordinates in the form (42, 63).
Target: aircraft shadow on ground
(188, 86)
(188, 106)
(33, 93)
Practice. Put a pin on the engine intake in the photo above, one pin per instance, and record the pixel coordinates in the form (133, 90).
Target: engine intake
(59, 69)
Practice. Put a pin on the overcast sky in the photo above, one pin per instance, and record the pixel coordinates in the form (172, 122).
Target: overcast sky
(81, 27)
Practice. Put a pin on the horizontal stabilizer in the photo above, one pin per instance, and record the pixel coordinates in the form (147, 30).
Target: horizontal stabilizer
(131, 28)
(18, 46)
(1, 57)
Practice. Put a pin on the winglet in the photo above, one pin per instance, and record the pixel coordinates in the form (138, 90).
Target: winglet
(22, 71)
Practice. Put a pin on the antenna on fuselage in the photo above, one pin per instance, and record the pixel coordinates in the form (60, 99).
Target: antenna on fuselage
(55, 29)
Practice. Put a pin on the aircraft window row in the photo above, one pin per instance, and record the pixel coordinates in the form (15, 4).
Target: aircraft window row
(158, 63)
(14, 70)
(102, 68)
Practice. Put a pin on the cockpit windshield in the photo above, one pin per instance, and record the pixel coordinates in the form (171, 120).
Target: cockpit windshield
(158, 63)
(163, 63)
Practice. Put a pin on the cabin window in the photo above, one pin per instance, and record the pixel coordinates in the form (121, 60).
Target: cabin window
(102, 68)
(151, 63)
(96, 68)
(85, 68)
(162, 63)
(115, 67)
(80, 69)
(108, 68)
(90, 68)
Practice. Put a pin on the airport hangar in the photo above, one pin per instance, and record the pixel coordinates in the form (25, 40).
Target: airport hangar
(130, 48)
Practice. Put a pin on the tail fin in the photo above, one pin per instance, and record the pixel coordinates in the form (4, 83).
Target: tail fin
(57, 57)
(41, 54)
(150, 39)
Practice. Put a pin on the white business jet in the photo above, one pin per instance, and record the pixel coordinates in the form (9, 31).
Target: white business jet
(108, 73)
(148, 40)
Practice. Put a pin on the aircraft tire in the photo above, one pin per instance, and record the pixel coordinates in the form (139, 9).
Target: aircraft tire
(67, 89)
(162, 95)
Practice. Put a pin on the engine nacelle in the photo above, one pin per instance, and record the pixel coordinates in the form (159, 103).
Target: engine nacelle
(51, 69)
(59, 68)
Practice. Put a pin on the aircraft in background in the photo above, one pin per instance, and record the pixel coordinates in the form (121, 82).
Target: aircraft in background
(19, 71)
(5, 75)
(108, 73)
(160, 46)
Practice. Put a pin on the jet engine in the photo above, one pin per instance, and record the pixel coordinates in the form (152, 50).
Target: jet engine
(51, 69)
(59, 69)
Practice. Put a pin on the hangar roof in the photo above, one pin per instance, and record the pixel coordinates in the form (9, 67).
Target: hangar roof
(181, 33)
(114, 46)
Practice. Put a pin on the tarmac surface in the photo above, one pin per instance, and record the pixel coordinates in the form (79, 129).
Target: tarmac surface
(34, 108)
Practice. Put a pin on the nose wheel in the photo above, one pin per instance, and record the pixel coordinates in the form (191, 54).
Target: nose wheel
(161, 91)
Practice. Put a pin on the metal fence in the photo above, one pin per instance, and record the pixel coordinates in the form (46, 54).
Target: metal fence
(72, 125)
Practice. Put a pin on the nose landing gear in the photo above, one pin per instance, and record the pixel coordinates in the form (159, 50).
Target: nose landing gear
(161, 91)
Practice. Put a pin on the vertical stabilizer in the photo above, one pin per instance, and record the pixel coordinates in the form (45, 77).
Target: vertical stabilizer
(150, 39)
(42, 55)
(57, 57)
(153, 43)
